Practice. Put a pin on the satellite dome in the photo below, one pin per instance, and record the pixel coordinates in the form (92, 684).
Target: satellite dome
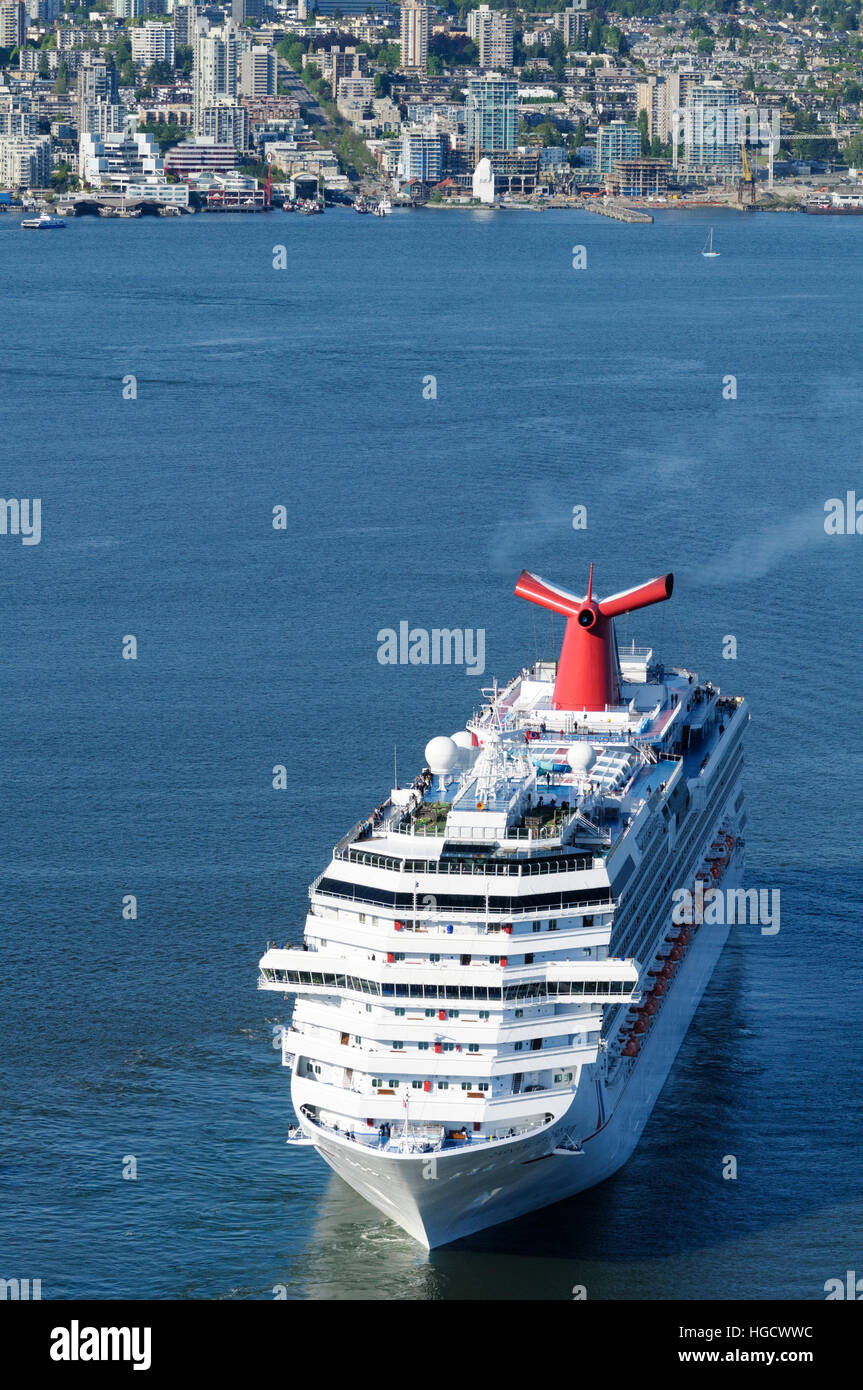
(463, 739)
(442, 755)
(580, 757)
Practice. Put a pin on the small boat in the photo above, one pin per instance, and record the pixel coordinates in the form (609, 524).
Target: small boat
(383, 208)
(46, 223)
(708, 246)
(360, 205)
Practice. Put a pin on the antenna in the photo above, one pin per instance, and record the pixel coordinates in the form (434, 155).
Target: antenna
(395, 766)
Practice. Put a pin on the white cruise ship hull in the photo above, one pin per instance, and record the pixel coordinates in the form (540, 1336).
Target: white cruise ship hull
(492, 1183)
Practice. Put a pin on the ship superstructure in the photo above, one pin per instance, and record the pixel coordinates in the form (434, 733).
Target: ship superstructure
(492, 984)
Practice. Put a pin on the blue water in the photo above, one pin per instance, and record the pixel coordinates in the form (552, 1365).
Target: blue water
(256, 647)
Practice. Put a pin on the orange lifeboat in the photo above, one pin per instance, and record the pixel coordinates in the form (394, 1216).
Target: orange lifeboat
(676, 954)
(651, 1006)
(641, 1026)
(631, 1049)
(661, 987)
(730, 842)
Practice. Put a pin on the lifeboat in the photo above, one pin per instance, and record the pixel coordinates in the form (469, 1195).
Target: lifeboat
(641, 1026)
(676, 954)
(668, 970)
(631, 1049)
(651, 1006)
(716, 870)
(661, 987)
(730, 842)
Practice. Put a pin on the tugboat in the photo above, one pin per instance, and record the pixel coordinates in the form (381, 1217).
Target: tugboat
(47, 222)
(503, 957)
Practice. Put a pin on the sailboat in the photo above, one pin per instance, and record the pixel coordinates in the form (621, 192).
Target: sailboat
(708, 246)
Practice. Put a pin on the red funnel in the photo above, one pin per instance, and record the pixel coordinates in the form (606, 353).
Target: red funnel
(588, 677)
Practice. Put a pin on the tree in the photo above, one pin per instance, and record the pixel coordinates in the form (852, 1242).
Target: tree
(645, 137)
(61, 84)
(748, 83)
(853, 151)
(44, 70)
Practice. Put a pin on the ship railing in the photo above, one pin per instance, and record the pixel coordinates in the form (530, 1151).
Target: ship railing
(572, 909)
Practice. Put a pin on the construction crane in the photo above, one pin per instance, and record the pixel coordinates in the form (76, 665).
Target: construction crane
(748, 180)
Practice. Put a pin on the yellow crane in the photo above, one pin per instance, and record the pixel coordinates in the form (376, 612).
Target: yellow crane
(748, 179)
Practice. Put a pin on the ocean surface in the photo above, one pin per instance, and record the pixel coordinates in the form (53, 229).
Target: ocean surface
(147, 1039)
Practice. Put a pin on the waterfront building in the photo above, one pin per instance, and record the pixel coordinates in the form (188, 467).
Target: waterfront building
(491, 31)
(638, 178)
(257, 77)
(422, 156)
(113, 160)
(26, 161)
(13, 24)
(491, 111)
(130, 9)
(614, 141)
(157, 190)
(414, 37)
(711, 130)
(152, 43)
(201, 154)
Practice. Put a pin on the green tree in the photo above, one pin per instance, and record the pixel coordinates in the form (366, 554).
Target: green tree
(61, 83)
(44, 70)
(853, 151)
(645, 137)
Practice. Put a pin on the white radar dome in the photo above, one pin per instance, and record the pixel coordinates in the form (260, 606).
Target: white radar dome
(580, 757)
(442, 755)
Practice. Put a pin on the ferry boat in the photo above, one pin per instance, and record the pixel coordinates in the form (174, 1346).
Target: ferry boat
(45, 223)
(495, 977)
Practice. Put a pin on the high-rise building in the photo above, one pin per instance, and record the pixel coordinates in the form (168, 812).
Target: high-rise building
(13, 24)
(26, 162)
(128, 9)
(241, 10)
(44, 10)
(491, 31)
(152, 43)
(422, 156)
(258, 72)
(711, 130)
(572, 24)
(98, 110)
(184, 24)
(414, 37)
(491, 114)
(227, 123)
(616, 140)
(214, 71)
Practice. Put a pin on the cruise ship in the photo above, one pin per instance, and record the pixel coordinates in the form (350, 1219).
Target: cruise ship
(498, 964)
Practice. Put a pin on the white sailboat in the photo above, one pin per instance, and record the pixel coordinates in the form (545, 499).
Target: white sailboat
(708, 246)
